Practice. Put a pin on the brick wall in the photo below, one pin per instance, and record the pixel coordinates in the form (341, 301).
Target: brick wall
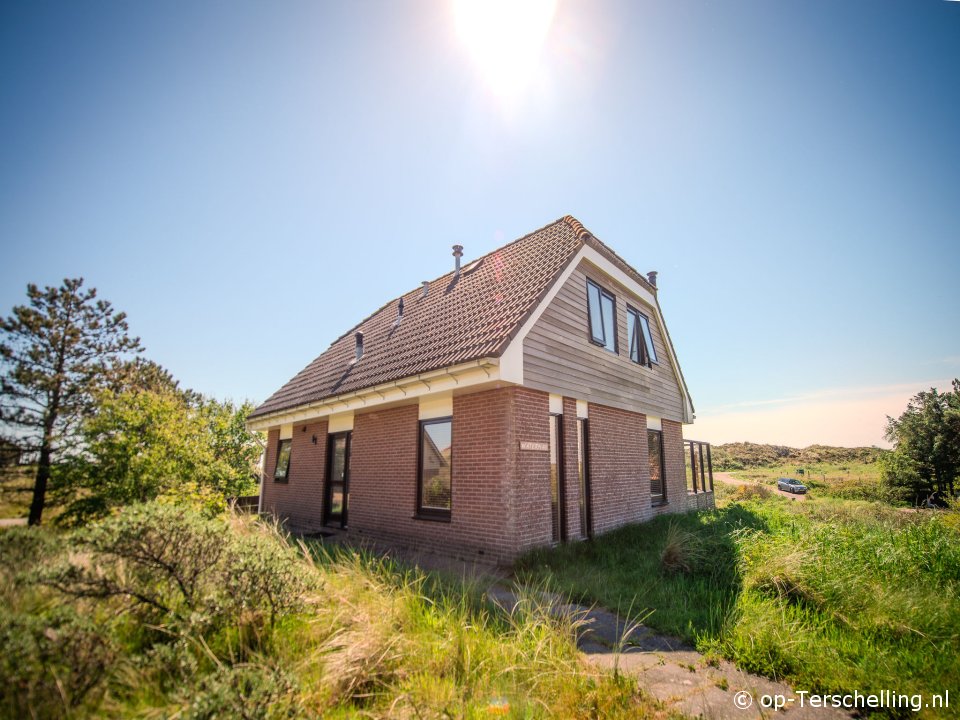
(678, 499)
(500, 493)
(532, 506)
(619, 470)
(299, 501)
(383, 479)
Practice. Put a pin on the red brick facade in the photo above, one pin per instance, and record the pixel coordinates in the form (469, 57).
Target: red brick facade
(300, 499)
(500, 503)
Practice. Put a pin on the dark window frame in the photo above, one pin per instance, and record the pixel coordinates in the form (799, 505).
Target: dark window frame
(328, 519)
(661, 498)
(286, 475)
(560, 518)
(646, 354)
(591, 336)
(423, 513)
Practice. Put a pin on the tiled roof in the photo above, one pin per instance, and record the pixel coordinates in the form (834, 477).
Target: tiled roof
(459, 320)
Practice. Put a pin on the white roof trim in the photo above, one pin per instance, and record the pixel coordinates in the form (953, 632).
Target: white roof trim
(475, 372)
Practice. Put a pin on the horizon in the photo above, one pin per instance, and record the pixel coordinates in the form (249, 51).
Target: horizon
(247, 182)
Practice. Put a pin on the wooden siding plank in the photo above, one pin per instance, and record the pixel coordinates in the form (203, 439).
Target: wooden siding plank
(559, 357)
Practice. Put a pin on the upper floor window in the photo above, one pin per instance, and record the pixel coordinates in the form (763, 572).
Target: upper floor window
(283, 461)
(641, 340)
(434, 491)
(603, 316)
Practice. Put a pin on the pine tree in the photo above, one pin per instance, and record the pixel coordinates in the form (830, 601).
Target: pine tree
(57, 352)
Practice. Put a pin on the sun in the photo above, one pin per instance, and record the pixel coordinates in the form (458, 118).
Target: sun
(504, 38)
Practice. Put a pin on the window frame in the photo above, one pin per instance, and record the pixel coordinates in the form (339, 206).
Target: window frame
(558, 533)
(661, 498)
(646, 353)
(422, 513)
(276, 464)
(603, 293)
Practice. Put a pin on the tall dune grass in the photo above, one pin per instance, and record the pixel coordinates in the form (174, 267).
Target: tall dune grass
(96, 624)
(830, 595)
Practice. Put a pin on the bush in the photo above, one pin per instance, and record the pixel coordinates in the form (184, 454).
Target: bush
(50, 663)
(21, 549)
(174, 568)
(248, 692)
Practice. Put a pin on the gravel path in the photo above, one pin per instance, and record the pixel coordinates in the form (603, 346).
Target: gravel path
(673, 672)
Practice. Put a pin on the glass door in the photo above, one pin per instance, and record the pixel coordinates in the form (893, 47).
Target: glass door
(338, 480)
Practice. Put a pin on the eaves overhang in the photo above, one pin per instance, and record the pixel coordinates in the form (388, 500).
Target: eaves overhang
(455, 377)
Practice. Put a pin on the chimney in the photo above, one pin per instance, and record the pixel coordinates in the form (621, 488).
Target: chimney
(652, 277)
(359, 338)
(457, 254)
(426, 287)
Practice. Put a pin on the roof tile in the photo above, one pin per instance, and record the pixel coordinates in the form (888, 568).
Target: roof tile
(458, 321)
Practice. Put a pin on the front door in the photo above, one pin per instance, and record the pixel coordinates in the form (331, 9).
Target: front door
(338, 480)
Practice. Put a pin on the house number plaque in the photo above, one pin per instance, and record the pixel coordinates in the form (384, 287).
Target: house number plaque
(542, 447)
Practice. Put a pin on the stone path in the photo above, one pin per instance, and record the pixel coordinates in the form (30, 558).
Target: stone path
(673, 672)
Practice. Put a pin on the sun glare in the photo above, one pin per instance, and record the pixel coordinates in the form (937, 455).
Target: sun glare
(504, 39)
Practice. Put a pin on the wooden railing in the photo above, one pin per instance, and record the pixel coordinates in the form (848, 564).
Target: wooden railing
(699, 466)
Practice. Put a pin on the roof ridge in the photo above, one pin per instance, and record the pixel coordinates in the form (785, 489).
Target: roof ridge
(589, 238)
(578, 229)
(569, 219)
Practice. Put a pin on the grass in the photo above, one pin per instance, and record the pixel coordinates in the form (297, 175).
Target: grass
(363, 637)
(845, 480)
(16, 491)
(829, 595)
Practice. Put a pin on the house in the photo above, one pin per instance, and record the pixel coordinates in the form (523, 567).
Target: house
(530, 397)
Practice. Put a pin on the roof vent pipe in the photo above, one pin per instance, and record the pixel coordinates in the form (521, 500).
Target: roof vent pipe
(426, 287)
(652, 277)
(359, 337)
(457, 254)
(400, 308)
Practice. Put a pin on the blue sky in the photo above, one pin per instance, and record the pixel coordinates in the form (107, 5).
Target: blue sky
(249, 179)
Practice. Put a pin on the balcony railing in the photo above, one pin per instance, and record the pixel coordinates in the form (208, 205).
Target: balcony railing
(699, 466)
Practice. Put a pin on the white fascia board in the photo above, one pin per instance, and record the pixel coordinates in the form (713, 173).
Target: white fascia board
(455, 377)
(511, 360)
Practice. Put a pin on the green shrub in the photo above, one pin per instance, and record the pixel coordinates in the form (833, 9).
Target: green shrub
(50, 663)
(247, 692)
(173, 568)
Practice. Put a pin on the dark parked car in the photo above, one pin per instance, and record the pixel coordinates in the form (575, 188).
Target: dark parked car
(791, 485)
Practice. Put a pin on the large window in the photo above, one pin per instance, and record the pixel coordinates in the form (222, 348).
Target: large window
(641, 340)
(655, 443)
(282, 471)
(435, 462)
(602, 316)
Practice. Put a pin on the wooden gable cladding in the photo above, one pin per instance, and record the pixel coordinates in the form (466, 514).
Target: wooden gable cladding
(559, 357)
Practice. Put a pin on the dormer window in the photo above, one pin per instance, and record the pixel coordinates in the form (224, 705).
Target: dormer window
(602, 316)
(641, 340)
